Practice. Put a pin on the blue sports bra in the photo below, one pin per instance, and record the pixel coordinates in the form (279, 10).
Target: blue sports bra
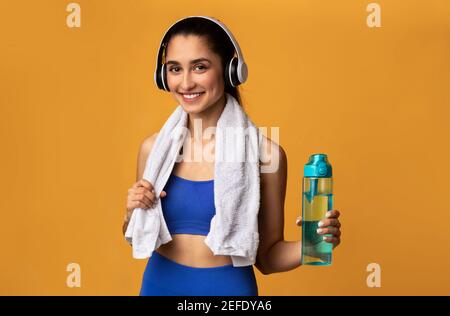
(188, 206)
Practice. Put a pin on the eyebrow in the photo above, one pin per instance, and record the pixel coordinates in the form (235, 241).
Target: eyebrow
(174, 62)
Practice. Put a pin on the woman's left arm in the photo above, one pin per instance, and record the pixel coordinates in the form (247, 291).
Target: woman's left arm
(274, 253)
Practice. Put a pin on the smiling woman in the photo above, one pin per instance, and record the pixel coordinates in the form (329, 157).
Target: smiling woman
(196, 63)
(200, 65)
(196, 54)
(196, 50)
(194, 81)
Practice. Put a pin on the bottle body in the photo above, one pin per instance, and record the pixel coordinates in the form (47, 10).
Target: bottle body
(317, 200)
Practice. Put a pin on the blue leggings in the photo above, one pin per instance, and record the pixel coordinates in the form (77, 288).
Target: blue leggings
(165, 277)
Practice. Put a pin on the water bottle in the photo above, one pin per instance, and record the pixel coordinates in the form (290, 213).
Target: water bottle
(317, 199)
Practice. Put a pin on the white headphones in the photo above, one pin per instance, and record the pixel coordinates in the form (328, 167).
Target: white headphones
(236, 71)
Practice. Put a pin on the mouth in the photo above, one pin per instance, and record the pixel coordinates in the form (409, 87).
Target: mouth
(191, 97)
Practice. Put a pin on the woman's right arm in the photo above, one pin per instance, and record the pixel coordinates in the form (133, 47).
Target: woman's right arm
(132, 202)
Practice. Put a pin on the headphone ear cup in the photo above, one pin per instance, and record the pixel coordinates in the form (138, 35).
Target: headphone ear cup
(231, 77)
(158, 78)
(226, 74)
(234, 73)
(164, 78)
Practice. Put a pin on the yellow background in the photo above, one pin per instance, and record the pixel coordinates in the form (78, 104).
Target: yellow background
(77, 102)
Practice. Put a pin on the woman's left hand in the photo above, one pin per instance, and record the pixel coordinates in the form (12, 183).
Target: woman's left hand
(330, 225)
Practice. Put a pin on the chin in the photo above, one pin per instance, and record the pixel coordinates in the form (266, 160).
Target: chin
(192, 108)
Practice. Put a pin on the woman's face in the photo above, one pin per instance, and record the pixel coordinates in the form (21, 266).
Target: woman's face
(193, 68)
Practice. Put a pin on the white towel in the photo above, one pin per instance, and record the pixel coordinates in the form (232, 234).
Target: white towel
(234, 227)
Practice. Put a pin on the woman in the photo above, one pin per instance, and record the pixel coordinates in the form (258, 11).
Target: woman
(196, 54)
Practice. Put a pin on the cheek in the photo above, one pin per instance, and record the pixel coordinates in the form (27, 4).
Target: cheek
(172, 82)
(212, 81)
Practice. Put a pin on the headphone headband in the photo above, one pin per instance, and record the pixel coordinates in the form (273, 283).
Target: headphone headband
(236, 71)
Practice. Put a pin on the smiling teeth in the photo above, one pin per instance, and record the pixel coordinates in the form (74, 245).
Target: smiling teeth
(191, 96)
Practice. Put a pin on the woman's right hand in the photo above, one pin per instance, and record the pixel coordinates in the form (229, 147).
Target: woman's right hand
(141, 194)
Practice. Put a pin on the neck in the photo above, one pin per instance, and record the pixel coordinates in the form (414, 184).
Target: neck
(208, 118)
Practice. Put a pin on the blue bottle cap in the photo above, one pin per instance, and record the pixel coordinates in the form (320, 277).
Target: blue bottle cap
(318, 167)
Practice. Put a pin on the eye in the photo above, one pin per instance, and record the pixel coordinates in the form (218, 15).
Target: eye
(201, 66)
(171, 69)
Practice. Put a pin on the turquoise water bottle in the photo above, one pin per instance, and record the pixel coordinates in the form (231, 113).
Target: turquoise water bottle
(317, 199)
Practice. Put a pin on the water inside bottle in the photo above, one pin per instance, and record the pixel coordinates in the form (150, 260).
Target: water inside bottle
(316, 251)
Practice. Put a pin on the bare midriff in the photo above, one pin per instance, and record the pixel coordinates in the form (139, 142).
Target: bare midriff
(191, 250)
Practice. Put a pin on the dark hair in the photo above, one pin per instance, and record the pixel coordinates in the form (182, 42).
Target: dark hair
(216, 39)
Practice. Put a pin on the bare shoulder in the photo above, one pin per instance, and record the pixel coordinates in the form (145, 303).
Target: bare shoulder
(147, 144)
(144, 151)
(273, 158)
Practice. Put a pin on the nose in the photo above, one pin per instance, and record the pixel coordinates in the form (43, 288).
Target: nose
(187, 83)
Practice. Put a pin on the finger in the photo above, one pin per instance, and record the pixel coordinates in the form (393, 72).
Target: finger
(336, 243)
(329, 222)
(329, 230)
(143, 199)
(141, 205)
(140, 183)
(333, 214)
(163, 193)
(151, 196)
(331, 240)
(298, 221)
(146, 184)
